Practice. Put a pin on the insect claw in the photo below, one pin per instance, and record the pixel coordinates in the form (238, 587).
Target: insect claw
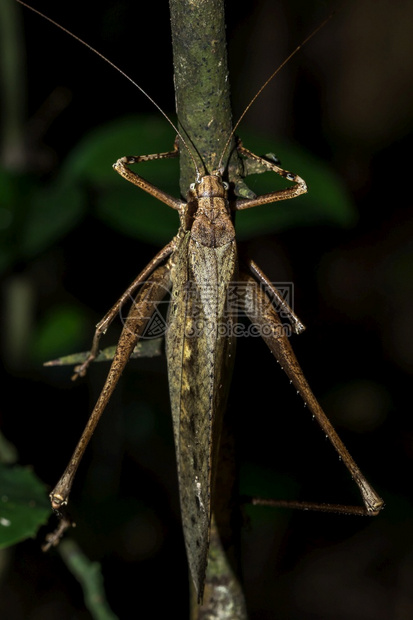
(78, 372)
(81, 369)
(57, 502)
(273, 158)
(53, 538)
(298, 327)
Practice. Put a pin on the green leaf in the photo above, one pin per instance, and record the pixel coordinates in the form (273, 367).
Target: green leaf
(132, 212)
(119, 204)
(24, 505)
(34, 216)
(61, 329)
(94, 155)
(144, 348)
(327, 202)
(53, 212)
(142, 217)
(45, 214)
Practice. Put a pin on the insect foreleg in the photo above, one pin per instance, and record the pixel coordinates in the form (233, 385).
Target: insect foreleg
(121, 166)
(264, 316)
(299, 187)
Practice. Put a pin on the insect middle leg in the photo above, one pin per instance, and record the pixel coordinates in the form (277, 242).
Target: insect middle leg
(279, 301)
(126, 296)
(240, 204)
(140, 313)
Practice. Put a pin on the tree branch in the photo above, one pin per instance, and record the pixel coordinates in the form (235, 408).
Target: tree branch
(201, 82)
(204, 116)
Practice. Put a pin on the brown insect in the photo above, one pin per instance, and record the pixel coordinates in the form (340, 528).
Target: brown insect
(199, 269)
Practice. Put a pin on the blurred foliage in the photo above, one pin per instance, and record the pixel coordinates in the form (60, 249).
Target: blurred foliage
(35, 215)
(24, 504)
(145, 348)
(369, 317)
(141, 216)
(58, 329)
(90, 577)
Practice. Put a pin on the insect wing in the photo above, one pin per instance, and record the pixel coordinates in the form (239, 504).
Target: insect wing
(200, 351)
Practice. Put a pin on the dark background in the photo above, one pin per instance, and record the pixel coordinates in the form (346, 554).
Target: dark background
(347, 98)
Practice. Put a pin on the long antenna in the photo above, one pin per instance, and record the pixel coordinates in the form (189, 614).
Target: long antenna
(258, 93)
(118, 69)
